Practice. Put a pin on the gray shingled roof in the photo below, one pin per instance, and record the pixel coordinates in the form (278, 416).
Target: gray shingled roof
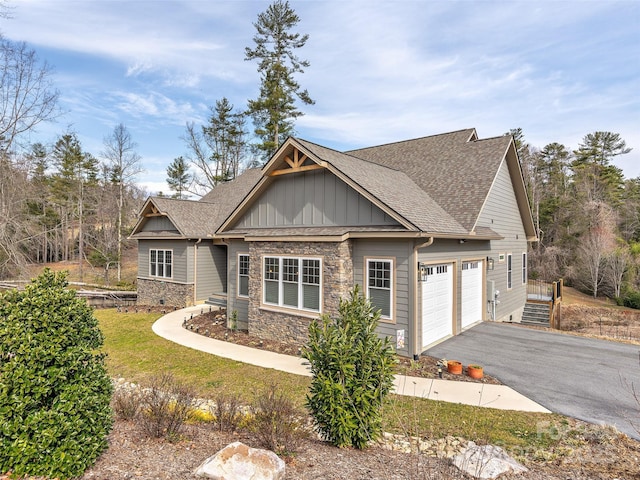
(198, 219)
(437, 184)
(458, 173)
(192, 219)
(392, 187)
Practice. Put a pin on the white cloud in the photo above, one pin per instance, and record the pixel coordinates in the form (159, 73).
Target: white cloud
(380, 71)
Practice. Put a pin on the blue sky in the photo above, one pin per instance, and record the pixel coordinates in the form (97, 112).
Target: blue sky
(381, 71)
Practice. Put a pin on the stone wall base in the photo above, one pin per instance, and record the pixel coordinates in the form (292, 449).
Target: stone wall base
(282, 327)
(159, 292)
(337, 281)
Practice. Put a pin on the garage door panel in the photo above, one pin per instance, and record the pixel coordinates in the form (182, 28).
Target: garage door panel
(472, 303)
(437, 303)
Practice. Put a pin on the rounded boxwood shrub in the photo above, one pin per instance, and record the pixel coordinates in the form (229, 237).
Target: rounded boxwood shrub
(54, 389)
(352, 372)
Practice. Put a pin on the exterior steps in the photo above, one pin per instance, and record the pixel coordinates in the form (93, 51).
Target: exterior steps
(536, 314)
(218, 301)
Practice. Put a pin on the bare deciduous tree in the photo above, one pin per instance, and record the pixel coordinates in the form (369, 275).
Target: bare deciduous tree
(27, 96)
(124, 163)
(595, 245)
(617, 264)
(16, 230)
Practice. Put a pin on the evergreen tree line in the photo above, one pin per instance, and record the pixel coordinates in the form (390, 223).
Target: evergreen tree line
(586, 214)
(64, 204)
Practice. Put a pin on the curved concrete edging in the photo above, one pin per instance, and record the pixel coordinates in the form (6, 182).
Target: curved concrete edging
(501, 397)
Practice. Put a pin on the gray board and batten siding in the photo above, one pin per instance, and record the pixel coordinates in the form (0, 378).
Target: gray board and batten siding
(159, 224)
(314, 198)
(235, 302)
(211, 270)
(502, 215)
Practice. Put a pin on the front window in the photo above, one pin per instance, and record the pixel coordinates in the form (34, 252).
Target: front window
(509, 270)
(380, 286)
(292, 282)
(160, 263)
(243, 275)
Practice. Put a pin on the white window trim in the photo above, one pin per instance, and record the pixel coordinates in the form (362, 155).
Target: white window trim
(281, 282)
(241, 295)
(392, 292)
(524, 268)
(509, 271)
(164, 269)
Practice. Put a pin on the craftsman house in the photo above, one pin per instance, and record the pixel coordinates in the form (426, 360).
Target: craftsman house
(434, 230)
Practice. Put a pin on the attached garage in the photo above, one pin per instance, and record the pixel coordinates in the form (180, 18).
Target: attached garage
(472, 303)
(437, 303)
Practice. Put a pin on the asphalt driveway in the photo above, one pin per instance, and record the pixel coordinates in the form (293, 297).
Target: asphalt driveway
(585, 378)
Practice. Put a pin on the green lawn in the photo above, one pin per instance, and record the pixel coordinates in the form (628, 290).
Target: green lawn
(136, 353)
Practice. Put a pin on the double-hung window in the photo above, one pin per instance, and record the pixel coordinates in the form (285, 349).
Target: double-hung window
(243, 275)
(509, 270)
(380, 286)
(160, 263)
(524, 268)
(293, 282)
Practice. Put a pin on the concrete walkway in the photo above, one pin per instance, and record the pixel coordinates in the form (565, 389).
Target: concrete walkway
(468, 393)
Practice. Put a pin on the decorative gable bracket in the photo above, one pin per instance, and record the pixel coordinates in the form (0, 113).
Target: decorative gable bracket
(299, 163)
(154, 212)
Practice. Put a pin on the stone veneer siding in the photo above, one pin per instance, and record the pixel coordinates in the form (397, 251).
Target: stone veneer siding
(150, 292)
(337, 281)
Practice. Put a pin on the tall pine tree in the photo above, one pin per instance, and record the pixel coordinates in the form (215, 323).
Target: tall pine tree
(178, 177)
(274, 111)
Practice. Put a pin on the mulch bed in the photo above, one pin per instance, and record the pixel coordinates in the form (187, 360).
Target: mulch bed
(214, 325)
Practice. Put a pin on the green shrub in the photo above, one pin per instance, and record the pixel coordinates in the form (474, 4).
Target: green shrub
(352, 372)
(632, 300)
(54, 389)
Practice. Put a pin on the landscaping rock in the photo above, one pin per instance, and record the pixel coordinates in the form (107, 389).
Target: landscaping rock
(238, 461)
(486, 462)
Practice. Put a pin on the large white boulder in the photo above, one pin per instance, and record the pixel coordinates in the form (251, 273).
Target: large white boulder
(486, 462)
(238, 461)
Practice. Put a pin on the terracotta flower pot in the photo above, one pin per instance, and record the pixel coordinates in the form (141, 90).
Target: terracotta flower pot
(454, 367)
(475, 371)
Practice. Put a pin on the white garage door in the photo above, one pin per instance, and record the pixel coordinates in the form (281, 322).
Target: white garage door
(472, 302)
(437, 303)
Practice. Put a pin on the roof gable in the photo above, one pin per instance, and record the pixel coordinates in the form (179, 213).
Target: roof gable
(433, 185)
(311, 198)
(191, 219)
(388, 189)
(196, 219)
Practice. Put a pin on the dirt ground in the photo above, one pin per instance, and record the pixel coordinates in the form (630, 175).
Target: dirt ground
(603, 322)
(596, 454)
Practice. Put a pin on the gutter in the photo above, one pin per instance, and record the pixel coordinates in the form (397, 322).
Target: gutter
(416, 247)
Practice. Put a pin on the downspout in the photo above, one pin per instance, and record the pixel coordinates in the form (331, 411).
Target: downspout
(417, 247)
(195, 272)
